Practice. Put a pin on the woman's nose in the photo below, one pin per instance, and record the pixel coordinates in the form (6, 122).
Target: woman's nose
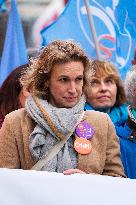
(72, 87)
(103, 86)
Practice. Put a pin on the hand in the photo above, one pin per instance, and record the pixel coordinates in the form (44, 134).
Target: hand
(73, 171)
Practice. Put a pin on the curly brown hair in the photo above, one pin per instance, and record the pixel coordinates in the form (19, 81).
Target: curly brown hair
(35, 80)
(105, 68)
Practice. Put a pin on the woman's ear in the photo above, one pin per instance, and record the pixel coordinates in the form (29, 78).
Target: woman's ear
(22, 96)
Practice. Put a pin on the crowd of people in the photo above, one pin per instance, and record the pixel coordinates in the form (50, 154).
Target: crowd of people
(77, 115)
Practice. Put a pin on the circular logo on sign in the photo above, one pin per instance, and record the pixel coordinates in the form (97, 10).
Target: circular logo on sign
(82, 146)
(84, 130)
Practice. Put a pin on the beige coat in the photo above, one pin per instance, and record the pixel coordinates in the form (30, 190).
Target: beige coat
(103, 159)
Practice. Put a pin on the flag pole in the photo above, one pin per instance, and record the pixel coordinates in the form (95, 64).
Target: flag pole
(92, 27)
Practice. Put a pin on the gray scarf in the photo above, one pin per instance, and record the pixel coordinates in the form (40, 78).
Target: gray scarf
(43, 138)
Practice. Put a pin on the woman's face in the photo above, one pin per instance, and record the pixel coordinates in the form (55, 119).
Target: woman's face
(102, 92)
(65, 84)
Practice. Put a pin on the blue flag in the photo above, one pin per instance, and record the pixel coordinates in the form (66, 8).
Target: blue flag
(115, 24)
(2, 5)
(14, 51)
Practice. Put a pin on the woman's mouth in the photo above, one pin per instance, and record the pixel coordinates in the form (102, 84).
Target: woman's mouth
(70, 99)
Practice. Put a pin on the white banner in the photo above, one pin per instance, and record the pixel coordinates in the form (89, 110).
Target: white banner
(19, 187)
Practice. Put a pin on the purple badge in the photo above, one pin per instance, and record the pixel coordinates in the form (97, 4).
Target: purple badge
(84, 130)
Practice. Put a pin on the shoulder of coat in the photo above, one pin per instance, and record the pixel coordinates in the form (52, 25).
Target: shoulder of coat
(16, 115)
(96, 115)
(19, 118)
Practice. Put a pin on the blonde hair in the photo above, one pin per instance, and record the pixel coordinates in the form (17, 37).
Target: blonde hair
(105, 68)
(36, 78)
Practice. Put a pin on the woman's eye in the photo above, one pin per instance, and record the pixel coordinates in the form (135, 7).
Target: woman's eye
(63, 79)
(109, 81)
(93, 83)
(79, 79)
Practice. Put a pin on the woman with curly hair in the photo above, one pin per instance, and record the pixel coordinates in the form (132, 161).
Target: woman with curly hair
(52, 132)
(106, 93)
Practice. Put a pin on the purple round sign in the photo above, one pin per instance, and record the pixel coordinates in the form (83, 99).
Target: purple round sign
(84, 130)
